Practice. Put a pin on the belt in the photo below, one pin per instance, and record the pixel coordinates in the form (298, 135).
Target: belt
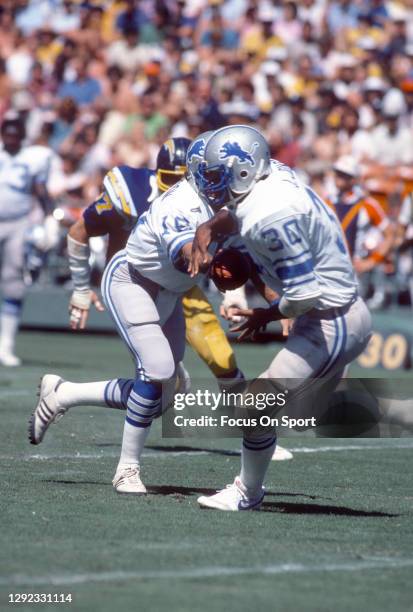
(333, 313)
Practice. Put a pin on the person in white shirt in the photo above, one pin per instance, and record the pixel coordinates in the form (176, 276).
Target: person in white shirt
(297, 245)
(24, 172)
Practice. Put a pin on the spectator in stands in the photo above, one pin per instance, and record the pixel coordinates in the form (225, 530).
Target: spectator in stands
(391, 140)
(321, 79)
(218, 35)
(288, 27)
(133, 17)
(63, 124)
(83, 88)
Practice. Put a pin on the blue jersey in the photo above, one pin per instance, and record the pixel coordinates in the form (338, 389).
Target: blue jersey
(110, 213)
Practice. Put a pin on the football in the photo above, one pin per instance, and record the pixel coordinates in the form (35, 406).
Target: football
(229, 269)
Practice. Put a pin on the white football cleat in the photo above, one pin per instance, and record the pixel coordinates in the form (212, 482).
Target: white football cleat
(48, 409)
(281, 454)
(9, 360)
(127, 480)
(232, 499)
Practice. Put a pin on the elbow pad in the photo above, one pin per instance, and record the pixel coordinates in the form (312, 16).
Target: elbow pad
(294, 308)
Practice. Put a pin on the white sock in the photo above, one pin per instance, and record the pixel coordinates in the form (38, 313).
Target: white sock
(9, 325)
(144, 403)
(256, 455)
(82, 394)
(133, 443)
(108, 393)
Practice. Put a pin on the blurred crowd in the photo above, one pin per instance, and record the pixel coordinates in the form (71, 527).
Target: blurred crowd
(105, 82)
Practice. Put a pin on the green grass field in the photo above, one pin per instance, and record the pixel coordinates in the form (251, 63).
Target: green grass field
(335, 532)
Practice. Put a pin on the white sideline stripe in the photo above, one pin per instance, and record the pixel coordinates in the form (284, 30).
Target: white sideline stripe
(165, 454)
(157, 455)
(327, 449)
(205, 572)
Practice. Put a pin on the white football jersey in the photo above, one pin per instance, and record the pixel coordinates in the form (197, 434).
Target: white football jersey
(18, 174)
(296, 240)
(162, 231)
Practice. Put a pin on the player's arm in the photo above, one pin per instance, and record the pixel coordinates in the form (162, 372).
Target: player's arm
(222, 224)
(271, 297)
(82, 297)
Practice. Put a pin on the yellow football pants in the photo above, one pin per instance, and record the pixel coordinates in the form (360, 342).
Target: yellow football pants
(205, 334)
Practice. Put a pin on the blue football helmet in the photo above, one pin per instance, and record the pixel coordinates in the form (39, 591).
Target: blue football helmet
(171, 162)
(235, 158)
(195, 154)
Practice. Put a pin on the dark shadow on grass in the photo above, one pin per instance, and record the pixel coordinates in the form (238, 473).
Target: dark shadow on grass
(172, 490)
(275, 507)
(324, 509)
(281, 507)
(179, 448)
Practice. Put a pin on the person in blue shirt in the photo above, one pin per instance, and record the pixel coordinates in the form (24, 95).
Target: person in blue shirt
(83, 89)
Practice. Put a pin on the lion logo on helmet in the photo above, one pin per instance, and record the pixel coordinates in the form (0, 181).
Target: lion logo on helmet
(233, 149)
(196, 149)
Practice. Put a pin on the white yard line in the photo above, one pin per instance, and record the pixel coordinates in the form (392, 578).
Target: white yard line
(399, 445)
(206, 572)
(93, 456)
(327, 449)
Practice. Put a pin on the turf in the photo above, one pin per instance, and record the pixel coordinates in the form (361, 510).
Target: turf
(335, 530)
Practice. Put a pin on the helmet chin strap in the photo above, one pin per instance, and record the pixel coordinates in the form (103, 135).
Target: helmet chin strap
(235, 198)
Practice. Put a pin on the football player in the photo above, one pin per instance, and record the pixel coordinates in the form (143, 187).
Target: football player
(297, 243)
(128, 192)
(23, 175)
(142, 287)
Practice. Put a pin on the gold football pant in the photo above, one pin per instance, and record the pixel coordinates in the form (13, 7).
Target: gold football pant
(205, 334)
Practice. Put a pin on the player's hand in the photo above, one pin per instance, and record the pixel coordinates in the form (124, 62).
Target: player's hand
(229, 313)
(200, 258)
(256, 319)
(79, 307)
(232, 300)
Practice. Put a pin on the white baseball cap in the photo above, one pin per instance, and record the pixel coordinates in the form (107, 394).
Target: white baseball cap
(347, 165)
